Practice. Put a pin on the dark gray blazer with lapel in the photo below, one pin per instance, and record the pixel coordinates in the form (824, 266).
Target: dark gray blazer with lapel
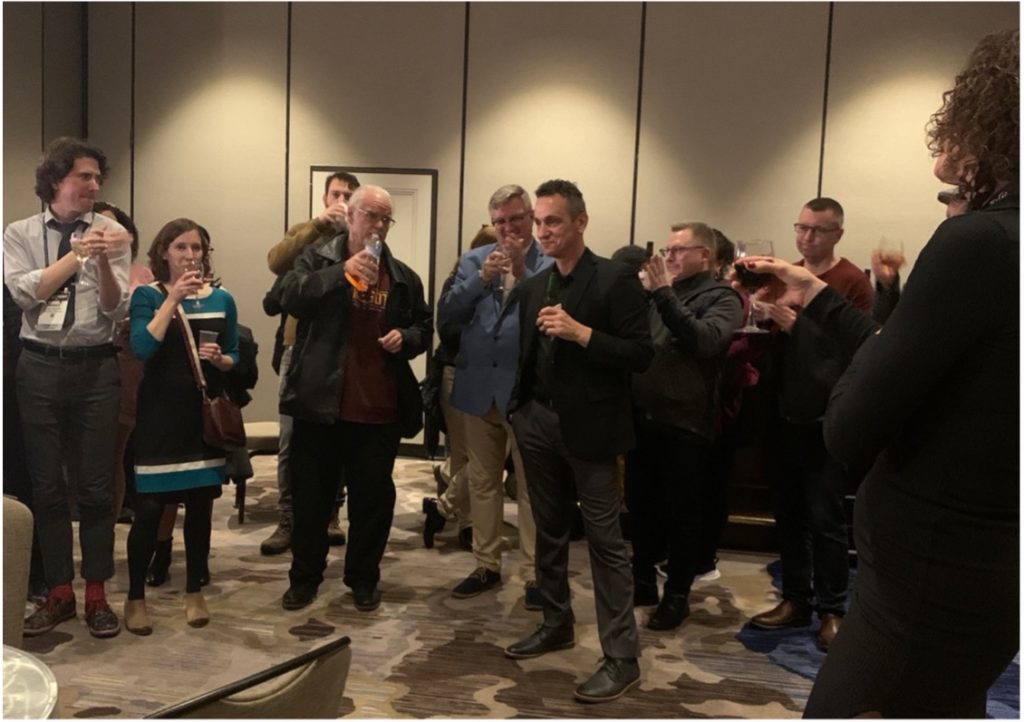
(591, 394)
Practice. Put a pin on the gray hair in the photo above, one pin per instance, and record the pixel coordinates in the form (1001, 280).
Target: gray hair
(703, 234)
(356, 201)
(507, 193)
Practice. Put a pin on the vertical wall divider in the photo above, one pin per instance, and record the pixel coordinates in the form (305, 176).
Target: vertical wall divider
(287, 113)
(639, 111)
(131, 123)
(462, 132)
(824, 99)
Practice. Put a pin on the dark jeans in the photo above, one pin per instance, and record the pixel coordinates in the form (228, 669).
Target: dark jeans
(809, 486)
(365, 455)
(149, 508)
(284, 449)
(69, 410)
(551, 469)
(669, 489)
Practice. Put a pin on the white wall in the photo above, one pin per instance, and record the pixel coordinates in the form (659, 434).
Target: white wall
(731, 111)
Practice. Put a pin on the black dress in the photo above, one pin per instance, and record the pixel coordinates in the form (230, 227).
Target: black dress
(932, 401)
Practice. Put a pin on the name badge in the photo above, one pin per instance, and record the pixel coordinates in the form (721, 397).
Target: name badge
(51, 318)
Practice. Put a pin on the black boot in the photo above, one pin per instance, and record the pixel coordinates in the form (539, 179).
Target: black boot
(159, 569)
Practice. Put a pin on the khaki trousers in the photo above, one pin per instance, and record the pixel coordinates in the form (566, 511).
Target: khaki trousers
(454, 503)
(488, 440)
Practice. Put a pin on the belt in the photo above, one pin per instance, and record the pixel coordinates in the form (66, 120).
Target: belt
(70, 353)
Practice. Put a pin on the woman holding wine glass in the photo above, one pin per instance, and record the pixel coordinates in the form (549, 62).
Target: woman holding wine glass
(930, 403)
(173, 463)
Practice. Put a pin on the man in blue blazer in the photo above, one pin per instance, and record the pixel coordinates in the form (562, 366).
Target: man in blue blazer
(483, 302)
(584, 330)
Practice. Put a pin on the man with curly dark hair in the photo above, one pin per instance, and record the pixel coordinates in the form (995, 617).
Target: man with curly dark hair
(67, 375)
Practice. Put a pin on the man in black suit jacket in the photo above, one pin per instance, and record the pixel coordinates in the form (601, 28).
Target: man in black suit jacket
(583, 331)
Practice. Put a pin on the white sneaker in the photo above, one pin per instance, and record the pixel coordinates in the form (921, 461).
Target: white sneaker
(708, 576)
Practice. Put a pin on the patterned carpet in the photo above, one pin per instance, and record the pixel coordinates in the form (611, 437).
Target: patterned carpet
(424, 653)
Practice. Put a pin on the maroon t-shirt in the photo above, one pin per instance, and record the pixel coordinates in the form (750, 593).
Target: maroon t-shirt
(369, 394)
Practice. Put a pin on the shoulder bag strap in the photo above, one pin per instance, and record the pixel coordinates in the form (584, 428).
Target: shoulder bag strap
(190, 342)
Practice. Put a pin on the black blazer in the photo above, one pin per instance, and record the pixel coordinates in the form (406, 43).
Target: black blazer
(591, 393)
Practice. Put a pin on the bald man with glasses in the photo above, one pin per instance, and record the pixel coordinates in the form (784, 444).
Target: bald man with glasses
(809, 485)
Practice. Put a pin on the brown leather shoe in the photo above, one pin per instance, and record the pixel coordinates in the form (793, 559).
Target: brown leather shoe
(786, 614)
(827, 631)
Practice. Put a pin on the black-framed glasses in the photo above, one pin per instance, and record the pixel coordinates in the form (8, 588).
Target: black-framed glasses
(814, 230)
(674, 250)
(514, 218)
(374, 217)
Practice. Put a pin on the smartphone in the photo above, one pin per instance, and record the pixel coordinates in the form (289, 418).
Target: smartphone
(650, 249)
(207, 336)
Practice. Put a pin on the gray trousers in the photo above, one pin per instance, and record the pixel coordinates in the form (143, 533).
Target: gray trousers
(69, 413)
(552, 470)
(284, 446)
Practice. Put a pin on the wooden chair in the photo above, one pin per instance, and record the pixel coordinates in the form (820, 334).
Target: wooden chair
(309, 686)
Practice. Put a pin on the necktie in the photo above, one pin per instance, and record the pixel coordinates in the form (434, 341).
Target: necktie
(66, 229)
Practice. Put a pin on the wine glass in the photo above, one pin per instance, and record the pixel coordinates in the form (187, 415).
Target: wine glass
(79, 248)
(750, 280)
(195, 264)
(506, 267)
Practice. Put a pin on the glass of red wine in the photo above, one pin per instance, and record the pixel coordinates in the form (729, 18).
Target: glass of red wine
(749, 280)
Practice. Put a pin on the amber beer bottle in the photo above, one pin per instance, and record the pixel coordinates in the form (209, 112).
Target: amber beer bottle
(374, 246)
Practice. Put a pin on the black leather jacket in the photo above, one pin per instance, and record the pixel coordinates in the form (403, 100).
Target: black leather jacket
(315, 292)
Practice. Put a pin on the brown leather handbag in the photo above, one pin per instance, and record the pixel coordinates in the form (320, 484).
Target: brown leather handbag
(223, 427)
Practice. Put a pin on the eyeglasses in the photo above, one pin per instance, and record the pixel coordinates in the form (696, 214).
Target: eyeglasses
(513, 219)
(388, 221)
(673, 250)
(802, 228)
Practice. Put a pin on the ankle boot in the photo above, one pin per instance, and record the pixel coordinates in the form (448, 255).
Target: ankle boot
(136, 620)
(159, 569)
(196, 613)
(281, 540)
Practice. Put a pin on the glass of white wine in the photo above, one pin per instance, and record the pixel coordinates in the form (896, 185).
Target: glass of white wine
(195, 264)
(80, 248)
(750, 280)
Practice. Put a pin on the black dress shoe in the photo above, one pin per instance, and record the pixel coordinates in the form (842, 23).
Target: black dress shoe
(674, 608)
(611, 681)
(366, 596)
(298, 597)
(433, 523)
(544, 640)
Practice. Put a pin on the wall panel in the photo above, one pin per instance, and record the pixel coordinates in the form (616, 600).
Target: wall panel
(386, 94)
(110, 96)
(210, 141)
(732, 111)
(552, 94)
(891, 64)
(23, 101)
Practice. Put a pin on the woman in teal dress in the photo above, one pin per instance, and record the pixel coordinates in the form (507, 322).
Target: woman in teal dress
(172, 463)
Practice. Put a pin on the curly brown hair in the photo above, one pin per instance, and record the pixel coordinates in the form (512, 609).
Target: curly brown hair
(978, 125)
(166, 235)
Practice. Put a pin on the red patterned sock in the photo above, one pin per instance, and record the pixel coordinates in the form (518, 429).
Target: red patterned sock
(63, 592)
(94, 592)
